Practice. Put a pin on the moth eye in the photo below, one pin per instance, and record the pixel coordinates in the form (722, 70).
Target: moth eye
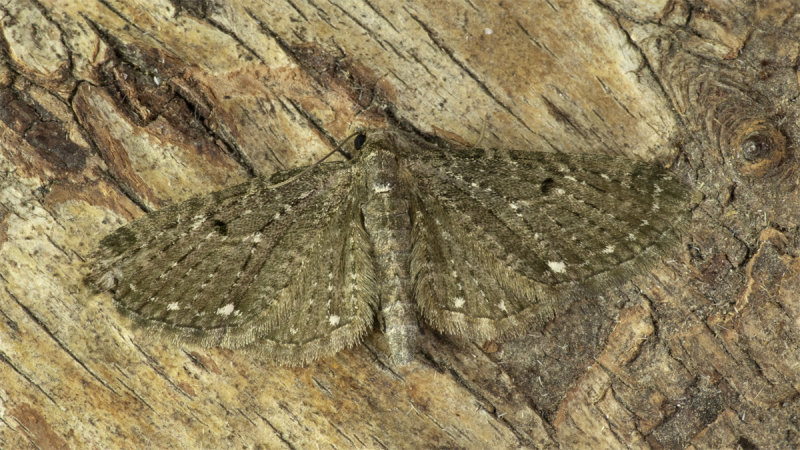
(359, 141)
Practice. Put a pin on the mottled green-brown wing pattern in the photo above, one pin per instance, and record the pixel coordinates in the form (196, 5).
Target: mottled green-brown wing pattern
(286, 269)
(502, 240)
(498, 242)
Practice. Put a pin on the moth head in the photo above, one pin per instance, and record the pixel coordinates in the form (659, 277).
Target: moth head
(364, 140)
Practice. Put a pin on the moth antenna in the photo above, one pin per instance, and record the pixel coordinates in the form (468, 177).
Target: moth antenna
(481, 136)
(309, 168)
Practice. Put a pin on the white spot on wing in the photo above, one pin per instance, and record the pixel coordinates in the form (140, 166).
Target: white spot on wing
(381, 188)
(333, 320)
(557, 266)
(198, 221)
(609, 249)
(604, 176)
(458, 302)
(173, 306)
(225, 310)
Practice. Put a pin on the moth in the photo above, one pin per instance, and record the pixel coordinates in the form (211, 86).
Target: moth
(483, 244)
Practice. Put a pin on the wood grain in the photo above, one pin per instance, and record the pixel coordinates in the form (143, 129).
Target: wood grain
(112, 109)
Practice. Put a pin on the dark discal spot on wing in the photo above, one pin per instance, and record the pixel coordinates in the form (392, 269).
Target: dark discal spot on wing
(220, 227)
(547, 185)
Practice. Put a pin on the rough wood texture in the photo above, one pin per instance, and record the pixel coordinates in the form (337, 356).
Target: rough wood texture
(109, 109)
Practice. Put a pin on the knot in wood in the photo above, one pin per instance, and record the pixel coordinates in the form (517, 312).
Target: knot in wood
(760, 148)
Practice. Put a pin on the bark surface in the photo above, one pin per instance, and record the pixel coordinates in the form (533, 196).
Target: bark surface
(110, 109)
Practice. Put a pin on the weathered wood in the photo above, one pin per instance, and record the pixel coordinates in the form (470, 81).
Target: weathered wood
(110, 109)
